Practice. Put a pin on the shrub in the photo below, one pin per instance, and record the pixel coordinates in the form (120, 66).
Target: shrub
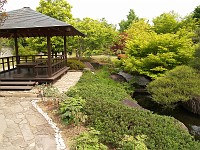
(179, 84)
(75, 64)
(131, 143)
(115, 121)
(88, 141)
(99, 86)
(72, 110)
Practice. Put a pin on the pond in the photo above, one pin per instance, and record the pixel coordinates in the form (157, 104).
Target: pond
(190, 120)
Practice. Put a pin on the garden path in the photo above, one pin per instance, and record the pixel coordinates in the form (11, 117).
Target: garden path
(22, 126)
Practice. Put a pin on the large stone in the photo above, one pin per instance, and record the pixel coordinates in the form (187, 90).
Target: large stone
(117, 77)
(193, 105)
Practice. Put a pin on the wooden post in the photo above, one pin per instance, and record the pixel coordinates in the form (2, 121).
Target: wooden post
(49, 63)
(65, 50)
(16, 50)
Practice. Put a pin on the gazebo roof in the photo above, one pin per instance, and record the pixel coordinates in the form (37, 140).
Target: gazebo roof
(26, 22)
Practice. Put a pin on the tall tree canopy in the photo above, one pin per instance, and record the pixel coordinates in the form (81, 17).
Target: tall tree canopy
(152, 54)
(58, 9)
(166, 23)
(99, 35)
(196, 12)
(124, 24)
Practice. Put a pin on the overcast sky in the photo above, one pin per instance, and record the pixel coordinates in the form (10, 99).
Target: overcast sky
(116, 10)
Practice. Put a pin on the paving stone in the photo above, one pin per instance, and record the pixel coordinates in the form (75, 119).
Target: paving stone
(26, 131)
(3, 126)
(22, 127)
(44, 142)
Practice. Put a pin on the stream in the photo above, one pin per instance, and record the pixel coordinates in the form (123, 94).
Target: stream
(190, 120)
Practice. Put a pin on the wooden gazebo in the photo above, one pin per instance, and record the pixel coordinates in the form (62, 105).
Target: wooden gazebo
(26, 22)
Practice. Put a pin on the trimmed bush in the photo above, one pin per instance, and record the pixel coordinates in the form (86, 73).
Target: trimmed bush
(115, 121)
(179, 84)
(99, 86)
(75, 64)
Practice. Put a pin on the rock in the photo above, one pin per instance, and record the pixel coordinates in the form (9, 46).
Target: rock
(141, 81)
(132, 104)
(193, 105)
(127, 76)
(117, 77)
(89, 66)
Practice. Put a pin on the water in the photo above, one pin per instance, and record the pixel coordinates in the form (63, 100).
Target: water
(190, 120)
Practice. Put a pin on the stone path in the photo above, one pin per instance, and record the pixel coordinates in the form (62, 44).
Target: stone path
(22, 127)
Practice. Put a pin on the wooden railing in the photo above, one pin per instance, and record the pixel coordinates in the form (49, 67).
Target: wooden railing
(7, 63)
(42, 68)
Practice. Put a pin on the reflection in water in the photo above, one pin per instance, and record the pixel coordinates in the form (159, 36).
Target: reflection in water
(191, 120)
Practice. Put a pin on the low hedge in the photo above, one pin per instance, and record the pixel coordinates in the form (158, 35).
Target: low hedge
(114, 120)
(108, 115)
(75, 64)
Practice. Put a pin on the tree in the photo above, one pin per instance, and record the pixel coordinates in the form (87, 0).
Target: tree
(3, 14)
(124, 24)
(58, 9)
(196, 12)
(99, 35)
(152, 54)
(166, 23)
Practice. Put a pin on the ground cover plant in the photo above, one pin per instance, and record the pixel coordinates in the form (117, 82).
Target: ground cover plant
(114, 121)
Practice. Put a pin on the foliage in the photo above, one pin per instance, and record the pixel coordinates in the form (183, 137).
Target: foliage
(166, 23)
(99, 36)
(131, 143)
(152, 54)
(48, 90)
(99, 86)
(88, 141)
(180, 84)
(119, 45)
(196, 12)
(71, 110)
(114, 120)
(124, 24)
(2, 11)
(58, 9)
(75, 64)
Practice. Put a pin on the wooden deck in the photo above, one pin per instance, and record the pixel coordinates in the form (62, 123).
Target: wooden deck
(26, 75)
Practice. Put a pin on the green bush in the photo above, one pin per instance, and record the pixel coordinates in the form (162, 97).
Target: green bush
(88, 141)
(108, 115)
(71, 110)
(115, 120)
(179, 84)
(75, 64)
(99, 86)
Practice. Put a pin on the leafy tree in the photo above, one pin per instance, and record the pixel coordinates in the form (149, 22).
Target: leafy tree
(58, 9)
(99, 35)
(196, 12)
(3, 14)
(152, 54)
(166, 23)
(119, 45)
(124, 24)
